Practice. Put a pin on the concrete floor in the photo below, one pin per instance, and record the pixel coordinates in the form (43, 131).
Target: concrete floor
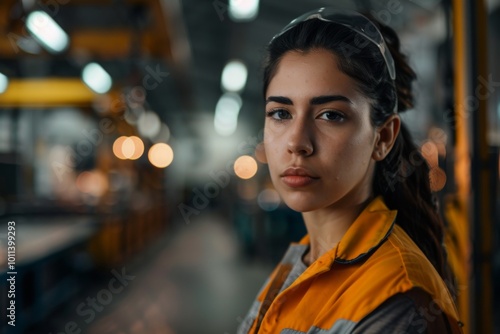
(192, 281)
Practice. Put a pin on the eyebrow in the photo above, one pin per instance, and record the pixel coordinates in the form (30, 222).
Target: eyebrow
(314, 101)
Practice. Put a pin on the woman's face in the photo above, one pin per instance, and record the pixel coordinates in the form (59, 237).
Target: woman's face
(318, 137)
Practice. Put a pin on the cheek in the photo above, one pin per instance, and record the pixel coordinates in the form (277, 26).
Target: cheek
(271, 141)
(348, 154)
(273, 149)
(358, 157)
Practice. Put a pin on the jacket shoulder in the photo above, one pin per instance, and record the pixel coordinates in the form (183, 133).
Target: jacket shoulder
(414, 270)
(397, 266)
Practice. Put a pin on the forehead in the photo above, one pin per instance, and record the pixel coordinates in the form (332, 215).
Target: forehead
(314, 72)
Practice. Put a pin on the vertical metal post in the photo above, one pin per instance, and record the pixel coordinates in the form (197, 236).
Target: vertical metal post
(477, 101)
(462, 153)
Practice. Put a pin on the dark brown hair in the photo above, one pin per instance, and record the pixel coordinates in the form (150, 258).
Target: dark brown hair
(402, 178)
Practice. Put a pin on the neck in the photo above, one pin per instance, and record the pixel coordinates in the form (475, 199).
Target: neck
(328, 225)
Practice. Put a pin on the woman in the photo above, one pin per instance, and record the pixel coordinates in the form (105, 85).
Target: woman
(372, 260)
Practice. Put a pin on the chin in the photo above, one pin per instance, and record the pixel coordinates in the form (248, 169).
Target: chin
(301, 204)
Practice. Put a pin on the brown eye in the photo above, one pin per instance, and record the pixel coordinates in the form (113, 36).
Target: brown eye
(332, 116)
(279, 114)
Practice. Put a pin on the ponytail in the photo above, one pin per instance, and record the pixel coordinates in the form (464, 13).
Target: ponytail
(402, 178)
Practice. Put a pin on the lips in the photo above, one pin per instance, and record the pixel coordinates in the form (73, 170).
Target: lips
(297, 177)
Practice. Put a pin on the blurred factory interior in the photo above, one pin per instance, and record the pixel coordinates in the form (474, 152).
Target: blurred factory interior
(130, 160)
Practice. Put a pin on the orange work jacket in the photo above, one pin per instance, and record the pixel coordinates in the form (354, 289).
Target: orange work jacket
(374, 260)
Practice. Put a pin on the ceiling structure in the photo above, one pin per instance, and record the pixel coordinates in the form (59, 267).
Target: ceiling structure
(132, 39)
(105, 29)
(215, 39)
(191, 40)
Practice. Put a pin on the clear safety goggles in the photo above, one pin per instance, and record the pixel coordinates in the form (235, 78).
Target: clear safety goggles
(353, 20)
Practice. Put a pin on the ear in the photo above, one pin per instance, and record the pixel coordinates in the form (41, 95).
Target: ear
(386, 137)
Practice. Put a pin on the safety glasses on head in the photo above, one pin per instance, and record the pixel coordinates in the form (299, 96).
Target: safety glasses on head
(353, 20)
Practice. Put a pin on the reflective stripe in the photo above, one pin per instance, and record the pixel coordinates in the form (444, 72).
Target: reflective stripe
(341, 326)
(337, 286)
(298, 266)
(293, 252)
(246, 324)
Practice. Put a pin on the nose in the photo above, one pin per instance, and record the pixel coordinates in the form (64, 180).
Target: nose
(300, 138)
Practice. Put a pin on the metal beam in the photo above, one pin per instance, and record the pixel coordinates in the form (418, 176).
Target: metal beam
(48, 92)
(481, 174)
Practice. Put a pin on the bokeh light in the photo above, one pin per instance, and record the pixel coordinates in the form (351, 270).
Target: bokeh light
(430, 153)
(117, 147)
(161, 155)
(96, 78)
(260, 153)
(226, 114)
(149, 124)
(93, 183)
(245, 167)
(268, 200)
(234, 76)
(133, 148)
(163, 136)
(246, 10)
(437, 178)
(440, 138)
(41, 25)
(4, 82)
(128, 148)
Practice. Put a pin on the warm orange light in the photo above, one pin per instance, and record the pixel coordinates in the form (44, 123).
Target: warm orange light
(128, 148)
(430, 153)
(138, 148)
(439, 137)
(117, 147)
(260, 153)
(245, 167)
(82, 181)
(437, 179)
(161, 155)
(92, 183)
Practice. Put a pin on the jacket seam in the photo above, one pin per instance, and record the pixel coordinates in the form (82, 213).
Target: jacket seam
(400, 255)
